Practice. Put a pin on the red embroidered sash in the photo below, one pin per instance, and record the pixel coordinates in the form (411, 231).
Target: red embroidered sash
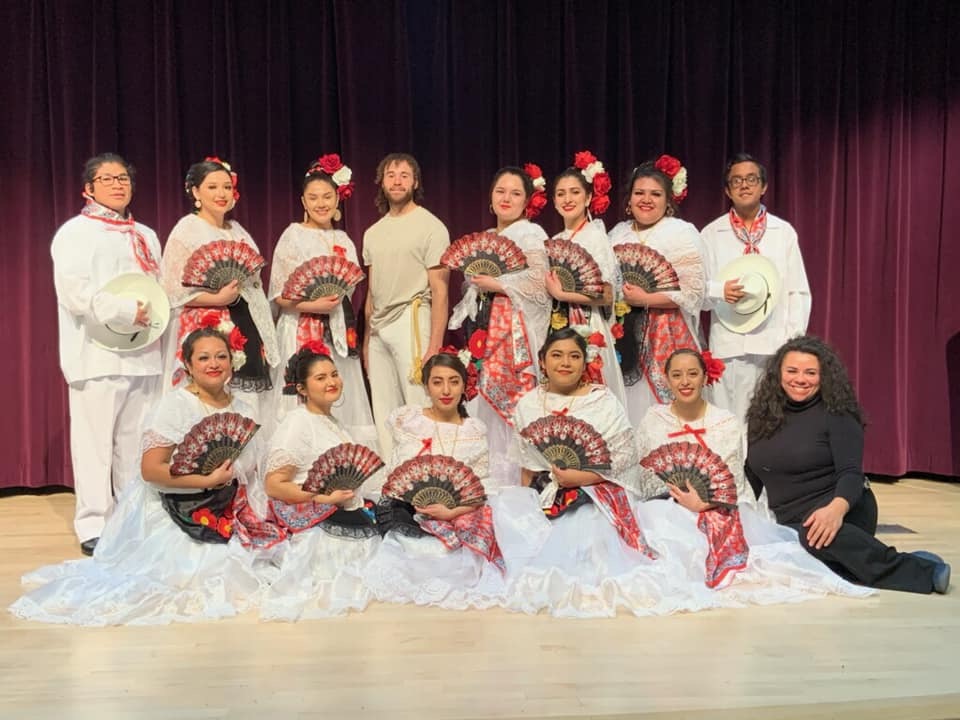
(615, 499)
(727, 549)
(138, 243)
(506, 372)
(473, 530)
(665, 332)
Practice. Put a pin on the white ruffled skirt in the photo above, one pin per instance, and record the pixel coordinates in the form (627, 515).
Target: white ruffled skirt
(320, 576)
(145, 571)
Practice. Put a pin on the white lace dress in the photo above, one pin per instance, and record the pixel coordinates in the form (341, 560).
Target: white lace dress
(593, 238)
(190, 233)
(297, 245)
(587, 567)
(422, 570)
(321, 567)
(519, 319)
(679, 243)
(146, 570)
(778, 569)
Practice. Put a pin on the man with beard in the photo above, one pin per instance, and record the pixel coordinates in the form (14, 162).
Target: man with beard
(746, 340)
(407, 304)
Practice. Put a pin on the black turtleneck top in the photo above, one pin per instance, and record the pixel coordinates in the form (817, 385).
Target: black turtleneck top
(814, 457)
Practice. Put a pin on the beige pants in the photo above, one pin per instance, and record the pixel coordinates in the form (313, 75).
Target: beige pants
(389, 361)
(106, 415)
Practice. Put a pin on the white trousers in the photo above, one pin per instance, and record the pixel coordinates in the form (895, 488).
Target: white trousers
(106, 415)
(735, 389)
(389, 361)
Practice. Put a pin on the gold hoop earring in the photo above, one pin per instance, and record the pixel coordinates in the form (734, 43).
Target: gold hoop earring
(627, 212)
(196, 204)
(306, 216)
(337, 215)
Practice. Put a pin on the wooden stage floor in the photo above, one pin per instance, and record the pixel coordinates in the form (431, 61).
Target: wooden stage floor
(894, 655)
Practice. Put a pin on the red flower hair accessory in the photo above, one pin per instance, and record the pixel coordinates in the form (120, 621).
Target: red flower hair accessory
(333, 166)
(317, 347)
(598, 179)
(715, 367)
(537, 201)
(674, 169)
(234, 178)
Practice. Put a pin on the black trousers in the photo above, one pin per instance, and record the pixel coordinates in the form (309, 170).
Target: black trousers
(858, 556)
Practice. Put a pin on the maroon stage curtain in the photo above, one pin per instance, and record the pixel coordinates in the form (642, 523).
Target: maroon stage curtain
(855, 107)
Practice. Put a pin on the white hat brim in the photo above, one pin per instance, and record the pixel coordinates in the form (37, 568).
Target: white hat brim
(728, 314)
(144, 289)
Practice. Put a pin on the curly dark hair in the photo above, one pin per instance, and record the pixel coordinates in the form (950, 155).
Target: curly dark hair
(765, 416)
(381, 201)
(298, 369)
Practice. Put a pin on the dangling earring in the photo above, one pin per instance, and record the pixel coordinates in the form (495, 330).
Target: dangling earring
(196, 204)
(306, 216)
(543, 377)
(491, 209)
(337, 215)
(627, 212)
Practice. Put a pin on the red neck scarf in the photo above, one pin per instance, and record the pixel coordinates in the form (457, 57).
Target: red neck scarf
(750, 238)
(138, 243)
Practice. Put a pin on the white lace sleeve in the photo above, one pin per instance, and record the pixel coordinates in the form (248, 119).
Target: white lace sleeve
(688, 262)
(727, 441)
(152, 439)
(650, 485)
(280, 458)
(175, 255)
(285, 260)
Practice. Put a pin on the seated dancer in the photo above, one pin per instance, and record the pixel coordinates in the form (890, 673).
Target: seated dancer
(167, 552)
(714, 535)
(435, 554)
(306, 252)
(805, 446)
(509, 314)
(331, 533)
(595, 558)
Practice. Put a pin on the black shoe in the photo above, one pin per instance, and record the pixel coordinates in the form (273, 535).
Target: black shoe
(941, 578)
(927, 555)
(88, 546)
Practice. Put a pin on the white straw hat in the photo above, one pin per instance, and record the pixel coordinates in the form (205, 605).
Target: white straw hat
(126, 338)
(761, 292)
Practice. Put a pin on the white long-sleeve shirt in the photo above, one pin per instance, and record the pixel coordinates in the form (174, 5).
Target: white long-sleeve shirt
(791, 313)
(87, 254)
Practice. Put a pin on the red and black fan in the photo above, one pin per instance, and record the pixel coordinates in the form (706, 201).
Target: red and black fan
(568, 442)
(484, 253)
(211, 442)
(645, 267)
(219, 263)
(321, 277)
(576, 270)
(342, 467)
(429, 479)
(690, 464)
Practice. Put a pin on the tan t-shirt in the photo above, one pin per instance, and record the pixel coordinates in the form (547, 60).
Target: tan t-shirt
(400, 250)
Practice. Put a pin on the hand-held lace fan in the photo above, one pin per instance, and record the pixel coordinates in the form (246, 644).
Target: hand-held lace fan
(689, 463)
(220, 262)
(576, 270)
(484, 253)
(428, 479)
(645, 267)
(211, 442)
(342, 467)
(321, 277)
(568, 442)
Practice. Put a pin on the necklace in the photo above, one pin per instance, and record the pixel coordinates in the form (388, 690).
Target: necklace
(579, 228)
(562, 411)
(439, 436)
(207, 408)
(332, 423)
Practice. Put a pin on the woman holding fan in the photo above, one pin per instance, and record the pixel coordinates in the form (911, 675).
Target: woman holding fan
(506, 316)
(578, 451)
(439, 546)
(663, 282)
(710, 531)
(211, 271)
(168, 553)
(313, 258)
(583, 277)
(314, 472)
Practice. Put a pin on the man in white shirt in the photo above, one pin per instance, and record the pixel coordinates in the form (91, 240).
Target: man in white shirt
(407, 298)
(749, 228)
(108, 391)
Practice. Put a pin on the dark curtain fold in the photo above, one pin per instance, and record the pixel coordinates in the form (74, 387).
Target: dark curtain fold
(855, 107)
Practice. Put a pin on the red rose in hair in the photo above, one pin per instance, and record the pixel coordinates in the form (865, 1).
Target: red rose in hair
(538, 201)
(594, 371)
(583, 158)
(351, 338)
(715, 366)
(317, 347)
(617, 330)
(668, 164)
(602, 184)
(533, 171)
(330, 163)
(599, 204)
(473, 376)
(345, 191)
(597, 340)
(477, 343)
(210, 319)
(237, 339)
(234, 178)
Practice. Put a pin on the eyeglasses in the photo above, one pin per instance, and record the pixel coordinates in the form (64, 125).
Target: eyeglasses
(108, 180)
(748, 180)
